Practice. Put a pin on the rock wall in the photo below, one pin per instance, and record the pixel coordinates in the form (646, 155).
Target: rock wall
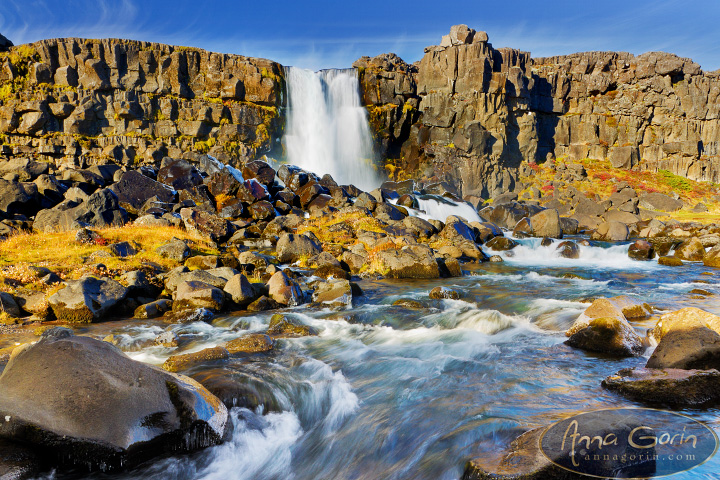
(82, 102)
(475, 115)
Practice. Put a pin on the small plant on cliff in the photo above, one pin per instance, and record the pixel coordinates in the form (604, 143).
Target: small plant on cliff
(675, 182)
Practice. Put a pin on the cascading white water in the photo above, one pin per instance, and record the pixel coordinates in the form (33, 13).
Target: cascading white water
(327, 127)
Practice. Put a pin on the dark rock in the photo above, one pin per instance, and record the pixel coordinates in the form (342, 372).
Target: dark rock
(153, 309)
(291, 247)
(175, 249)
(86, 300)
(641, 250)
(260, 171)
(195, 294)
(281, 325)
(46, 403)
(568, 249)
(262, 304)
(691, 249)
(134, 189)
(501, 243)
(206, 224)
(667, 387)
(100, 210)
(440, 293)
(179, 174)
(694, 349)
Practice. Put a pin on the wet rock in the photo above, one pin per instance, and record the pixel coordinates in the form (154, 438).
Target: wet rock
(330, 271)
(283, 290)
(440, 293)
(523, 229)
(568, 249)
(177, 363)
(262, 304)
(670, 261)
(546, 224)
(195, 294)
(501, 244)
(18, 462)
(86, 300)
(712, 257)
(691, 250)
(496, 259)
(694, 349)
(189, 316)
(291, 247)
(685, 319)
(410, 303)
(167, 339)
(244, 389)
(641, 250)
(175, 249)
(611, 232)
(250, 343)
(281, 325)
(523, 461)
(610, 335)
(153, 309)
(45, 403)
(667, 387)
(570, 226)
(411, 261)
(336, 292)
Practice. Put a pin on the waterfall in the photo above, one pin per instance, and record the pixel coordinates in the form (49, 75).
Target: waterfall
(327, 129)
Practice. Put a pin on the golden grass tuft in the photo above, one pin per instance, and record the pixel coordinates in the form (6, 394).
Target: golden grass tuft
(63, 255)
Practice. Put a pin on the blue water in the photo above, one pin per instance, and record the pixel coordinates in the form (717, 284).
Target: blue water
(385, 392)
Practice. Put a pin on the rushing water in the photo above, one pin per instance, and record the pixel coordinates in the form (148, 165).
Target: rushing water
(327, 128)
(385, 392)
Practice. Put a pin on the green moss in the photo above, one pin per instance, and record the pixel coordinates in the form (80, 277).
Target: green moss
(676, 182)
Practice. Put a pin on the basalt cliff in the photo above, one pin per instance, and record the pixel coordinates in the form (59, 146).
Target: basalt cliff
(467, 113)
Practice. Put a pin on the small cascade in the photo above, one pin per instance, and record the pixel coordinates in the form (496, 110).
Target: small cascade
(327, 127)
(439, 208)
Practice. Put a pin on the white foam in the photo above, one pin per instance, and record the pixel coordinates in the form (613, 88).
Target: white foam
(433, 207)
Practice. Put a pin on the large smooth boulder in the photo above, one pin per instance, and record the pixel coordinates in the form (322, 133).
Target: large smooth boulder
(694, 349)
(546, 224)
(410, 261)
(336, 292)
(86, 403)
(604, 328)
(86, 300)
(134, 189)
(667, 387)
(291, 247)
(611, 232)
(240, 290)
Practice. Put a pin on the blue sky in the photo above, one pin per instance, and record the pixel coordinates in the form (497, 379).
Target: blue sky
(324, 34)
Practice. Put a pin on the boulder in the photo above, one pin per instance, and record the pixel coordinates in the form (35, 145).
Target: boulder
(337, 292)
(177, 363)
(250, 343)
(568, 249)
(79, 399)
(641, 250)
(501, 244)
(181, 274)
(659, 201)
(674, 388)
(691, 250)
(291, 247)
(195, 294)
(153, 309)
(686, 319)
(670, 261)
(712, 257)
(9, 306)
(134, 189)
(283, 290)
(410, 261)
(281, 325)
(546, 224)
(100, 210)
(179, 174)
(240, 290)
(175, 249)
(693, 349)
(206, 224)
(86, 300)
(611, 232)
(440, 293)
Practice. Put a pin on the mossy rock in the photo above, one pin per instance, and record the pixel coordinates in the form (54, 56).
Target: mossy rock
(670, 261)
(177, 363)
(281, 325)
(250, 343)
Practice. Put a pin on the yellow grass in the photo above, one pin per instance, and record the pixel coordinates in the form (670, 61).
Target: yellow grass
(63, 255)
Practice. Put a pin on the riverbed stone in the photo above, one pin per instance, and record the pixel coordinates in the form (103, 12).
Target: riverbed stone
(692, 349)
(336, 292)
(241, 291)
(177, 363)
(80, 399)
(691, 250)
(667, 387)
(250, 343)
(641, 250)
(284, 290)
(280, 325)
(441, 293)
(195, 294)
(86, 300)
(291, 247)
(410, 261)
(568, 249)
(153, 309)
(685, 319)
(546, 224)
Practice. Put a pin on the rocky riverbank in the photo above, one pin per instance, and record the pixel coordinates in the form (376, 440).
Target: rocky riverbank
(258, 239)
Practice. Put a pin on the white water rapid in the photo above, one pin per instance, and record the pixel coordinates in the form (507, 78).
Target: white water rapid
(327, 127)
